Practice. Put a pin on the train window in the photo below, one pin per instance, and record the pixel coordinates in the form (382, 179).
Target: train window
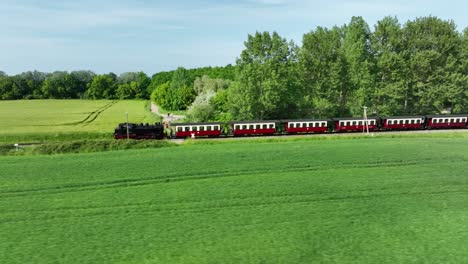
(446, 121)
(187, 129)
(311, 124)
(202, 128)
(389, 122)
(412, 121)
(406, 121)
(324, 124)
(244, 126)
(451, 120)
(264, 126)
(304, 124)
(251, 126)
(237, 127)
(418, 121)
(208, 128)
(272, 125)
(194, 128)
(354, 123)
(179, 129)
(348, 123)
(258, 126)
(457, 120)
(360, 123)
(216, 128)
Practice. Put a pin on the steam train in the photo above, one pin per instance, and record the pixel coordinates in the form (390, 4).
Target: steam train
(288, 127)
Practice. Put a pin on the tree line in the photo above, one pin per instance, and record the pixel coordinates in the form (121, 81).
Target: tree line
(88, 85)
(419, 67)
(416, 68)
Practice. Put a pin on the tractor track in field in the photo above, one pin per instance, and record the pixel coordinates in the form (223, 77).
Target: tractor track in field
(91, 116)
(237, 203)
(67, 188)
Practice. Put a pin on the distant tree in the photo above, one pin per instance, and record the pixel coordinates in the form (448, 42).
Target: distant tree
(81, 80)
(205, 83)
(182, 97)
(103, 87)
(208, 105)
(180, 78)
(143, 82)
(161, 97)
(127, 90)
(139, 90)
(2, 74)
(8, 89)
(60, 84)
(201, 110)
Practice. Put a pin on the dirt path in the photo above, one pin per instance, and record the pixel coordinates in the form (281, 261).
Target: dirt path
(171, 118)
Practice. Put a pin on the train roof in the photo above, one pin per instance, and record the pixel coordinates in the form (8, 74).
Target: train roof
(401, 117)
(254, 122)
(305, 120)
(440, 116)
(354, 118)
(197, 124)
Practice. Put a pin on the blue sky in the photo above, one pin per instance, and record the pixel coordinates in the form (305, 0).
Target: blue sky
(152, 36)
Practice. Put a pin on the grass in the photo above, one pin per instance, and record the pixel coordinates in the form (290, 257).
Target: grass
(45, 120)
(355, 200)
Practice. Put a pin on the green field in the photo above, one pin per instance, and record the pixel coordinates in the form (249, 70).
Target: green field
(374, 200)
(38, 119)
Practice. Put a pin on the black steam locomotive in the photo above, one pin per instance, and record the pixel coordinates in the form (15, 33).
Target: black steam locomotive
(139, 131)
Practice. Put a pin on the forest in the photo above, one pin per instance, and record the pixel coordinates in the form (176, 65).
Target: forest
(419, 67)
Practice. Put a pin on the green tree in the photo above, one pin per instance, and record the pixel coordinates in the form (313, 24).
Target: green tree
(324, 73)
(436, 74)
(139, 89)
(128, 90)
(205, 83)
(60, 84)
(8, 89)
(391, 77)
(359, 60)
(102, 87)
(160, 95)
(266, 83)
(81, 79)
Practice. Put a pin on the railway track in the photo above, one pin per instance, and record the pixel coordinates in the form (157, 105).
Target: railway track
(343, 134)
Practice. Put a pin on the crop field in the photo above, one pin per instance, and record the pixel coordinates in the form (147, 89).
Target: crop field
(368, 200)
(36, 118)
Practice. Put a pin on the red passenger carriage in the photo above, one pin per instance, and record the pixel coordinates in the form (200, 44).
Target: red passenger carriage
(306, 126)
(403, 122)
(197, 129)
(354, 124)
(245, 128)
(447, 121)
